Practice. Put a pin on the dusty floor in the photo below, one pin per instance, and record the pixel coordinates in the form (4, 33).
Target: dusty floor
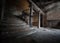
(16, 31)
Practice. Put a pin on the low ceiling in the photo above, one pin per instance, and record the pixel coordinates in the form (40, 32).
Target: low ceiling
(43, 3)
(50, 7)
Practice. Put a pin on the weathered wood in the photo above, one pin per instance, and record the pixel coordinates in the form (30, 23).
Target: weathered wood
(35, 7)
(42, 22)
(39, 19)
(31, 13)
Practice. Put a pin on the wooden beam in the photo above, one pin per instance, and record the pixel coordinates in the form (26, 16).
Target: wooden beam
(36, 7)
(44, 17)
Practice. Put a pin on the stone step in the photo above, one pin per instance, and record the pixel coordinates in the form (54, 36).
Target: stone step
(18, 34)
(16, 30)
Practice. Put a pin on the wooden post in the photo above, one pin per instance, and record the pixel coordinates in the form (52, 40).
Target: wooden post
(39, 19)
(31, 13)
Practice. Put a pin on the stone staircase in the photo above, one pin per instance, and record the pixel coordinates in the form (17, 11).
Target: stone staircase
(13, 26)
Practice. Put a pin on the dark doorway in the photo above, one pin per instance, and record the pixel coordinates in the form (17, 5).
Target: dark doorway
(41, 20)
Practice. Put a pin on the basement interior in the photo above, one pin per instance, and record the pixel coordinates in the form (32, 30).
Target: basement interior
(30, 21)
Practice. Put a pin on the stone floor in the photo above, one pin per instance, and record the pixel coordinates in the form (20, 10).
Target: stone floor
(17, 31)
(41, 35)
